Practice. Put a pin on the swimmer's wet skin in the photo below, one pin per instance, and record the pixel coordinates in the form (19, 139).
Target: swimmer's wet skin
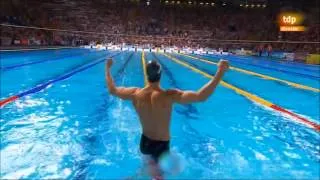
(154, 106)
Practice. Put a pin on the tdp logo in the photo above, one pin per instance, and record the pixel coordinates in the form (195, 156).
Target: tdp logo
(289, 19)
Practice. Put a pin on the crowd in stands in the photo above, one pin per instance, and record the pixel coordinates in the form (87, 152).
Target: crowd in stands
(157, 25)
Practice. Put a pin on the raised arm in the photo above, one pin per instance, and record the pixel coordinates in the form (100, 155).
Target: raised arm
(185, 97)
(121, 92)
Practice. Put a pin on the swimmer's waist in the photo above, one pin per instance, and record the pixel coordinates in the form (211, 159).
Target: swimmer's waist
(155, 134)
(143, 136)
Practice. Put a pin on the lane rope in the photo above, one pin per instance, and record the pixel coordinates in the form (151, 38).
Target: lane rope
(296, 85)
(254, 98)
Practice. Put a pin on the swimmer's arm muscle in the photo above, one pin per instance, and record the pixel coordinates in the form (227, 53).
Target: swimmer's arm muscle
(125, 93)
(110, 83)
(207, 89)
(122, 92)
(185, 97)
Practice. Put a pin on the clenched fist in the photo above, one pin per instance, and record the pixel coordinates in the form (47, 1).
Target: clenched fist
(223, 65)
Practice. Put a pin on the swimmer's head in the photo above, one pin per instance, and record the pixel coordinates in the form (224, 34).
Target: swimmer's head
(153, 71)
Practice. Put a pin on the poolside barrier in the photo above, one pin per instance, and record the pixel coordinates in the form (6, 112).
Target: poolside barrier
(313, 59)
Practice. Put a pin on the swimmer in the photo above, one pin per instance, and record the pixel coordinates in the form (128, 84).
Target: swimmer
(269, 50)
(154, 106)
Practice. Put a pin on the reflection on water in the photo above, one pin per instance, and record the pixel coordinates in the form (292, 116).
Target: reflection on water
(36, 141)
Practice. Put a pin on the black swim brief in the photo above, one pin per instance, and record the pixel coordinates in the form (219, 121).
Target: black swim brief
(154, 148)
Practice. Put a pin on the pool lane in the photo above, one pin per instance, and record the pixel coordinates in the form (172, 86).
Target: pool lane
(16, 80)
(13, 58)
(228, 136)
(44, 60)
(263, 69)
(113, 123)
(97, 133)
(296, 85)
(302, 70)
(49, 83)
(79, 116)
(286, 64)
(252, 97)
(296, 100)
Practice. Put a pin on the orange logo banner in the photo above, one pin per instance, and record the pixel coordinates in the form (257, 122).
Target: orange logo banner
(291, 21)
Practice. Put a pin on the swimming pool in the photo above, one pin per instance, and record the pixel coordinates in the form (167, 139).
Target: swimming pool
(62, 122)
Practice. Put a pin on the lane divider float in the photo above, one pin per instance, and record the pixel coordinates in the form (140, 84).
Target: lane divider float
(254, 98)
(296, 85)
(54, 80)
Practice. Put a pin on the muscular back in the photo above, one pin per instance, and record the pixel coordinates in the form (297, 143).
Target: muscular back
(154, 108)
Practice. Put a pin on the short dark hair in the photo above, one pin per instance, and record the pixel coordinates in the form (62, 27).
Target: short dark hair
(153, 71)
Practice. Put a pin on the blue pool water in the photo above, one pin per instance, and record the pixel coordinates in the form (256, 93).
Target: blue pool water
(73, 128)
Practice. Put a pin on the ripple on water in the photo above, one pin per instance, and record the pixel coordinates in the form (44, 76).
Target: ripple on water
(260, 156)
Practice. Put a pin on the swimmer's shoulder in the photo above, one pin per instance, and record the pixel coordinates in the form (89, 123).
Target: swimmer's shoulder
(143, 91)
(172, 92)
(139, 91)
